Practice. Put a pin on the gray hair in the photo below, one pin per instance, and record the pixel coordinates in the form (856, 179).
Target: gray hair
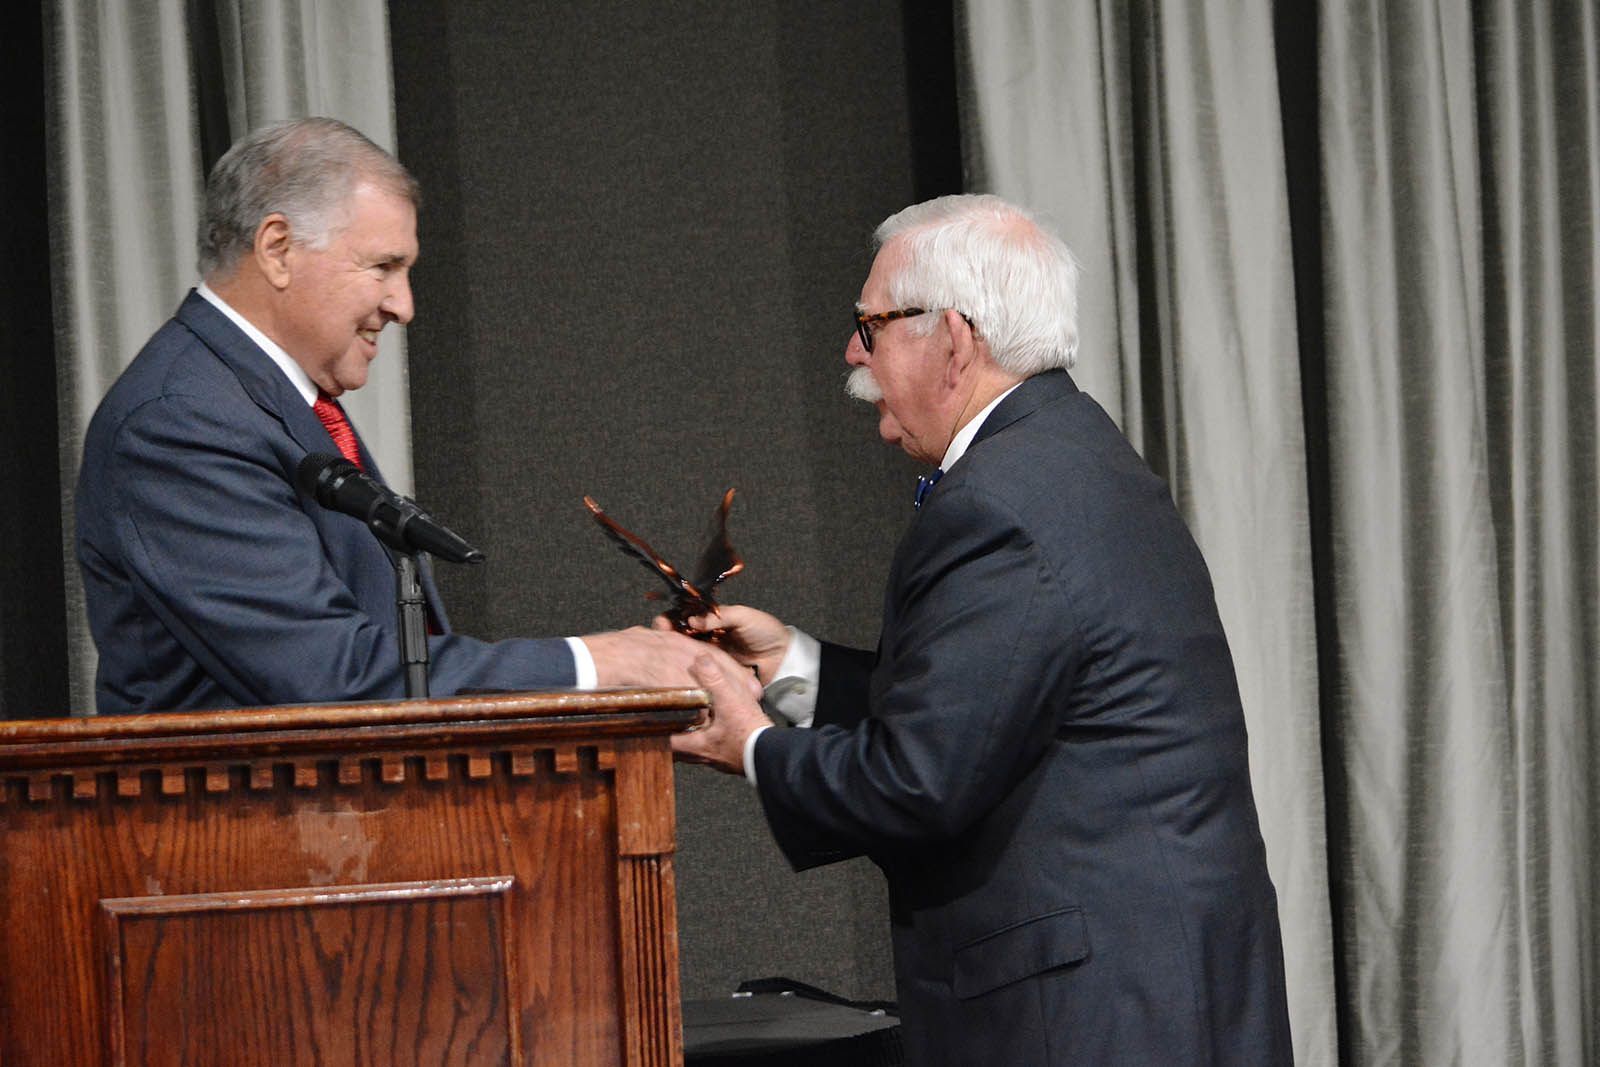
(992, 261)
(306, 170)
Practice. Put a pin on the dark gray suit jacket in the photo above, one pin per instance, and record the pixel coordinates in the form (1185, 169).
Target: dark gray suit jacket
(211, 579)
(1047, 759)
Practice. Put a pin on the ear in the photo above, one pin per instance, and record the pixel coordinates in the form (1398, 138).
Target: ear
(272, 247)
(964, 352)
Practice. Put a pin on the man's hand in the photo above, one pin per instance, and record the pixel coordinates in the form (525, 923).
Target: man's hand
(734, 715)
(752, 637)
(637, 656)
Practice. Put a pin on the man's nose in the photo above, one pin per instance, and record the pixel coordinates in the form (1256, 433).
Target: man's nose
(855, 353)
(397, 302)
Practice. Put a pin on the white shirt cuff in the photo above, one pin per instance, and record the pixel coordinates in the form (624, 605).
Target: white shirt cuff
(793, 692)
(583, 664)
(750, 753)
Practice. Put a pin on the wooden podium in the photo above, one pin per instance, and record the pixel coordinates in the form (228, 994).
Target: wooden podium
(473, 880)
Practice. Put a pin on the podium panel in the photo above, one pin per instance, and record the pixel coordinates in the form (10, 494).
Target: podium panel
(484, 880)
(406, 973)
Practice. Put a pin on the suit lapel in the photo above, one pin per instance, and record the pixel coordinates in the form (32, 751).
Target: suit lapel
(275, 394)
(1030, 396)
(1050, 387)
(261, 379)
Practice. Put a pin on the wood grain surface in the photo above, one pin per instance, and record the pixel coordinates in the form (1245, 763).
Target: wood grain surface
(478, 881)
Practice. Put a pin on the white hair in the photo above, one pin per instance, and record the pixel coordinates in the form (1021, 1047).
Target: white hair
(992, 261)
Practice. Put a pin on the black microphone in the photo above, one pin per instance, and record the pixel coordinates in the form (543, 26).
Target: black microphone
(398, 522)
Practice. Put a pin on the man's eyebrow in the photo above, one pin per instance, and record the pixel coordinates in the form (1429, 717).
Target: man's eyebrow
(861, 309)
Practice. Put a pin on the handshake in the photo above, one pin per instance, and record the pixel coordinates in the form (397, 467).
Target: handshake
(713, 647)
(749, 648)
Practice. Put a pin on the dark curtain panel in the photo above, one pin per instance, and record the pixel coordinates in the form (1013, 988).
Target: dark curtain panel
(33, 627)
(644, 230)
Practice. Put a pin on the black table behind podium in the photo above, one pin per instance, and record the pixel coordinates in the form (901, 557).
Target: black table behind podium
(781, 1023)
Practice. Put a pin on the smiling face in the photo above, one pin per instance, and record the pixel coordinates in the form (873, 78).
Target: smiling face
(337, 299)
(910, 372)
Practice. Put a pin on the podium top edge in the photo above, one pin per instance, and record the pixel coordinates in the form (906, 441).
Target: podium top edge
(669, 708)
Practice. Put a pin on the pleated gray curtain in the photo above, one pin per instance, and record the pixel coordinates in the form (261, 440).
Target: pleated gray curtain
(1432, 932)
(136, 87)
(1411, 585)
(1539, 77)
(1155, 143)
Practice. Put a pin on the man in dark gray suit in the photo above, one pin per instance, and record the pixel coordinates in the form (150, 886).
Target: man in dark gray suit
(212, 579)
(1046, 753)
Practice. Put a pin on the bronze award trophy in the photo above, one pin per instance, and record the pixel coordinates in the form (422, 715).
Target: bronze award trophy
(692, 596)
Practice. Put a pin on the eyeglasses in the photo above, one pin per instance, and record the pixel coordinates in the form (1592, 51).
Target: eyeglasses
(865, 323)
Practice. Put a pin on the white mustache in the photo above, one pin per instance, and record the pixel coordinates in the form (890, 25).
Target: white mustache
(861, 385)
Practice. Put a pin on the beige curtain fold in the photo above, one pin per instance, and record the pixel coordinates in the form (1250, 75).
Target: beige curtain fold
(1459, 186)
(1539, 74)
(126, 181)
(1153, 136)
(1431, 929)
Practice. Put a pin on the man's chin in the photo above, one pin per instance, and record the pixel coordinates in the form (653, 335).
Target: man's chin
(352, 376)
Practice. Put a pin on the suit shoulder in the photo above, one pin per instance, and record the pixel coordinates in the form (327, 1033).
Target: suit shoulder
(1066, 479)
(1067, 449)
(174, 365)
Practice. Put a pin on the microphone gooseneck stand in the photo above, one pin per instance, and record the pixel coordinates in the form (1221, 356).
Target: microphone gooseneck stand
(404, 530)
(413, 622)
(411, 604)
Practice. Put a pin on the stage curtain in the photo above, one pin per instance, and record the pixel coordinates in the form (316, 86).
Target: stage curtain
(1341, 260)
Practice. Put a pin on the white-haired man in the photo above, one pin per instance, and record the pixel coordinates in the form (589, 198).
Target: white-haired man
(212, 579)
(1046, 753)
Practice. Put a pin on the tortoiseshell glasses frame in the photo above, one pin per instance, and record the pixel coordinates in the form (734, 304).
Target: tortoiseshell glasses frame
(865, 323)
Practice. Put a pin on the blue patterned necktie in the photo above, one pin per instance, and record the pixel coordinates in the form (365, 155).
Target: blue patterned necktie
(926, 483)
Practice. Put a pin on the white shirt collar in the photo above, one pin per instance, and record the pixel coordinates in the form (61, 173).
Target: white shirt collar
(296, 373)
(963, 438)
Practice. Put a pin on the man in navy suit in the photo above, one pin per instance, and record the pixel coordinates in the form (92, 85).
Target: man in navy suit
(212, 580)
(1046, 753)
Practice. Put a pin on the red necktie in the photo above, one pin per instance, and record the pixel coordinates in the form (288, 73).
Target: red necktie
(339, 428)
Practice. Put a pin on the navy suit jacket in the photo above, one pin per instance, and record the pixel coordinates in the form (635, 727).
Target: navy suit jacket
(1046, 757)
(212, 580)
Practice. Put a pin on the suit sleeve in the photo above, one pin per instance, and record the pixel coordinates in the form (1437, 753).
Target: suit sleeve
(842, 686)
(978, 655)
(213, 534)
